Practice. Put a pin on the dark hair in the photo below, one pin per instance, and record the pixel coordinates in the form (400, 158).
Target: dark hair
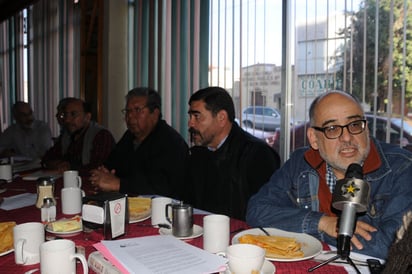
(87, 107)
(63, 102)
(315, 102)
(18, 104)
(216, 99)
(153, 98)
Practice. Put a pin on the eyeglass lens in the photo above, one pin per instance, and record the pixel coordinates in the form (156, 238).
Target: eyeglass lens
(336, 131)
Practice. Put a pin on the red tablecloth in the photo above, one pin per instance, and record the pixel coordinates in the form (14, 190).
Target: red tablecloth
(86, 240)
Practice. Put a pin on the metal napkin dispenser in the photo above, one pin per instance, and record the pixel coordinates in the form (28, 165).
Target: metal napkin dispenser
(108, 211)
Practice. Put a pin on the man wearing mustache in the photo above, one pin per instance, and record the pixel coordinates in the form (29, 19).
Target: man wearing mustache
(83, 145)
(298, 196)
(150, 158)
(227, 164)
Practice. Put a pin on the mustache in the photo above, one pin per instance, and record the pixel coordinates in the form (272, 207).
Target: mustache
(349, 145)
(193, 131)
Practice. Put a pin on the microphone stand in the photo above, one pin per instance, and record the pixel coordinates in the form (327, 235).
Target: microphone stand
(351, 196)
(338, 256)
(343, 251)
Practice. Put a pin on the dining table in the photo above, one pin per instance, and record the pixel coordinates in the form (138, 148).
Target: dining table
(85, 240)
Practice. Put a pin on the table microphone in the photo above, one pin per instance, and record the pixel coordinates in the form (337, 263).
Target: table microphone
(351, 196)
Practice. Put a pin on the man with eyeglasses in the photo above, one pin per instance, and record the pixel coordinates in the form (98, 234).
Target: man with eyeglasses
(28, 137)
(150, 158)
(83, 144)
(298, 196)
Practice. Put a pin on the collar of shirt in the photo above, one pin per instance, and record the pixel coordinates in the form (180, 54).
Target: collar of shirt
(330, 178)
(218, 146)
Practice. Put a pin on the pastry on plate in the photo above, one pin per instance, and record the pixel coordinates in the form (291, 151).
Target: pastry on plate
(66, 225)
(6, 236)
(139, 207)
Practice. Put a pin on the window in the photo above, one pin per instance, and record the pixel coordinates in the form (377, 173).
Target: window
(327, 45)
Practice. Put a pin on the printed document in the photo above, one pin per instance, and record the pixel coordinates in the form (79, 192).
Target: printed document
(160, 254)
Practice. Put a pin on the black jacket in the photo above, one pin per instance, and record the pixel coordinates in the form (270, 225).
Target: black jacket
(223, 181)
(156, 166)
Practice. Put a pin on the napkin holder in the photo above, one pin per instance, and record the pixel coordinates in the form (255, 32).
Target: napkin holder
(107, 211)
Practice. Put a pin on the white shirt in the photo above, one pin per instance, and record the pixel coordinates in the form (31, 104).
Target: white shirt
(31, 142)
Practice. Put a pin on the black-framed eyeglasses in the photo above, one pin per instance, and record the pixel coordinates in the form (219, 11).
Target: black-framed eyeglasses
(335, 131)
(136, 110)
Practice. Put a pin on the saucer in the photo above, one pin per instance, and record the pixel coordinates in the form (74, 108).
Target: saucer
(267, 268)
(197, 231)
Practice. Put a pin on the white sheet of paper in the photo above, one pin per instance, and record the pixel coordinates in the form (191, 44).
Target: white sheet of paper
(163, 254)
(19, 201)
(25, 166)
(41, 173)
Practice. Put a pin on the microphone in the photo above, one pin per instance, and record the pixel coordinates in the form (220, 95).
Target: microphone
(351, 196)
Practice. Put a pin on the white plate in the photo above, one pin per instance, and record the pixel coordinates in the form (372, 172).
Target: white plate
(6, 252)
(267, 268)
(197, 231)
(310, 245)
(132, 221)
(65, 233)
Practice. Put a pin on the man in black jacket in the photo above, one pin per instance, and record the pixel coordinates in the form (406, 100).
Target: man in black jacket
(151, 156)
(227, 165)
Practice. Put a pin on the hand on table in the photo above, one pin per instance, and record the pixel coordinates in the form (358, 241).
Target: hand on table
(105, 180)
(59, 165)
(329, 225)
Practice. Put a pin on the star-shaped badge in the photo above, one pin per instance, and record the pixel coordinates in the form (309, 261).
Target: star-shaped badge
(350, 189)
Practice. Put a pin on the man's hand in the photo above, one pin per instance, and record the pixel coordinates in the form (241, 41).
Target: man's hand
(329, 225)
(104, 180)
(364, 230)
(8, 152)
(59, 165)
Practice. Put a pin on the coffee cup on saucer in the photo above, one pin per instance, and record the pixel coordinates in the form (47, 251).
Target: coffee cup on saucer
(245, 258)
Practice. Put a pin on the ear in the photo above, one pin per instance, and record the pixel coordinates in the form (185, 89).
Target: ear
(221, 116)
(88, 116)
(313, 140)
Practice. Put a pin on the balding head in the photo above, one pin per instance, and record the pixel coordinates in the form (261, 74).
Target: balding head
(338, 130)
(331, 95)
(23, 114)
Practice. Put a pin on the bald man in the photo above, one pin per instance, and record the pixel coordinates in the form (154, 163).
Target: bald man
(298, 196)
(28, 137)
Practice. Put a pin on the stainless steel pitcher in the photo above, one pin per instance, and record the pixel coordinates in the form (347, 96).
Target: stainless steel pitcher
(181, 220)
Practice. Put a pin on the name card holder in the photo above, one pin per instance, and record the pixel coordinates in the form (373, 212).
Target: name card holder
(106, 211)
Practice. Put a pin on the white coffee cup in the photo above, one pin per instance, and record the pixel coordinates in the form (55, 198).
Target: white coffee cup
(71, 178)
(159, 210)
(216, 233)
(27, 238)
(71, 200)
(6, 172)
(59, 256)
(245, 258)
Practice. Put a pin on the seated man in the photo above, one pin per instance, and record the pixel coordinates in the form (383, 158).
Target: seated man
(27, 137)
(83, 145)
(227, 165)
(298, 196)
(150, 158)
